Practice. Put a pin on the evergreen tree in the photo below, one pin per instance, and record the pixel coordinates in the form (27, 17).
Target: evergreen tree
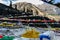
(57, 4)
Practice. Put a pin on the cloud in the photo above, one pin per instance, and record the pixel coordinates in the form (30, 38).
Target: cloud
(9, 0)
(36, 2)
(1, 1)
(6, 2)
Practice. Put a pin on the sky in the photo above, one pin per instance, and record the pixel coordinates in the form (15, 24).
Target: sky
(29, 1)
(57, 1)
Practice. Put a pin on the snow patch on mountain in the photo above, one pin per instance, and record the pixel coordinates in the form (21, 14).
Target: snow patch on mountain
(51, 9)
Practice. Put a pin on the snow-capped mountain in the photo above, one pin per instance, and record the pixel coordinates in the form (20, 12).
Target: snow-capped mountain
(44, 9)
(51, 9)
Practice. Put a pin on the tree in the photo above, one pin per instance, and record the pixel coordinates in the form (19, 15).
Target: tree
(51, 2)
(57, 4)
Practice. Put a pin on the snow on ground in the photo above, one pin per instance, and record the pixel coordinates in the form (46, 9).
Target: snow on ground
(20, 31)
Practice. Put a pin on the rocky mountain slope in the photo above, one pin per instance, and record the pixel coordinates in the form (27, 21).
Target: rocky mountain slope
(41, 10)
(23, 6)
(52, 10)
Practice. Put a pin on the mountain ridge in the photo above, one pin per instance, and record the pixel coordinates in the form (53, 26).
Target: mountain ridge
(29, 6)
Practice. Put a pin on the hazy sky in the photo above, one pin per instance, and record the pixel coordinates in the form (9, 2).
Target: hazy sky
(57, 1)
(30, 1)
